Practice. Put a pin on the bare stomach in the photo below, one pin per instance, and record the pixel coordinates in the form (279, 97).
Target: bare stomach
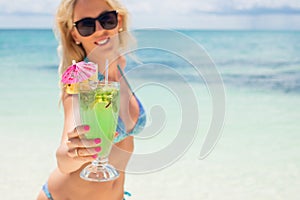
(72, 187)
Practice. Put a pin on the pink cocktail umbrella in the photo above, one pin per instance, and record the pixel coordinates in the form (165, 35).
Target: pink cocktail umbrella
(78, 72)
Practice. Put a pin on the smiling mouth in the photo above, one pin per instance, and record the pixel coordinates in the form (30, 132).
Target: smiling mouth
(102, 42)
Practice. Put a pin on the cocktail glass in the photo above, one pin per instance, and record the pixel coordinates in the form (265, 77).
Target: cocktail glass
(99, 108)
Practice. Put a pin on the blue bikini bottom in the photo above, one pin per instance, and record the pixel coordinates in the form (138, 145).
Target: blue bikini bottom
(49, 196)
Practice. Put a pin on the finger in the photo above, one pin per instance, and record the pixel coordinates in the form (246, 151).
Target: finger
(82, 143)
(75, 156)
(78, 131)
(86, 158)
(73, 153)
(83, 152)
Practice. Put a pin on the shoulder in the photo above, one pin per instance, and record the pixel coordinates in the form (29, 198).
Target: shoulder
(65, 97)
(68, 101)
(122, 62)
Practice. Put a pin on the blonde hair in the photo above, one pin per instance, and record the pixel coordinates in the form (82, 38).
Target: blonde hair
(68, 50)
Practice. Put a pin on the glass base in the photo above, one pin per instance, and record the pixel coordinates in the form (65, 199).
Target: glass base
(99, 171)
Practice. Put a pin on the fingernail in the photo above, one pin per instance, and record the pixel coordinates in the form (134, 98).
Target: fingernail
(95, 156)
(98, 149)
(86, 128)
(97, 141)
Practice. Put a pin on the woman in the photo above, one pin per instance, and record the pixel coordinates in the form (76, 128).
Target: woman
(77, 41)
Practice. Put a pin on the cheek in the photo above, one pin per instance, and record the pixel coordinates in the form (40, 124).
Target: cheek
(115, 39)
(113, 32)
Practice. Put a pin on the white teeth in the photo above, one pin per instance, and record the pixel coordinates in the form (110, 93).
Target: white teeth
(102, 42)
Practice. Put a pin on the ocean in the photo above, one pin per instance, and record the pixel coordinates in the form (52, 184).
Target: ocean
(255, 157)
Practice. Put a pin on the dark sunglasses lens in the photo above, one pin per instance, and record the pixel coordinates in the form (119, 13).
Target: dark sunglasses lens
(109, 20)
(86, 27)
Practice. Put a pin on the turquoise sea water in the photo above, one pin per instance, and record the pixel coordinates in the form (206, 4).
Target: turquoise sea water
(257, 154)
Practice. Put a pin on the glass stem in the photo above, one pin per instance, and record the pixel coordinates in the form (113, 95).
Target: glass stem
(100, 161)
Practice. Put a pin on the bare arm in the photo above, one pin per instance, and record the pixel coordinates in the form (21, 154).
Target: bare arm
(67, 160)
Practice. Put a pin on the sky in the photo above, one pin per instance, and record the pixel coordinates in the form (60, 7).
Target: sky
(176, 14)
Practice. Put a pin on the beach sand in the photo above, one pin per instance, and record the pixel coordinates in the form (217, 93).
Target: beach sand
(254, 159)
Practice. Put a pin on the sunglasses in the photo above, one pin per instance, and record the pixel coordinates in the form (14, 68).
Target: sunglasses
(87, 26)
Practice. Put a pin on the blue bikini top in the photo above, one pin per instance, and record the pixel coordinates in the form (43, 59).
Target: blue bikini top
(139, 126)
(121, 132)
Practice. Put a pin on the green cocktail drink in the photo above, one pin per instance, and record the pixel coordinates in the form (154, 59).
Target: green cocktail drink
(99, 108)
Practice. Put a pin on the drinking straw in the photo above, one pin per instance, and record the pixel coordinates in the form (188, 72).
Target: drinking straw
(106, 72)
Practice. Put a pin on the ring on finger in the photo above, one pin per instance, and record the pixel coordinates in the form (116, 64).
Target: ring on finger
(76, 152)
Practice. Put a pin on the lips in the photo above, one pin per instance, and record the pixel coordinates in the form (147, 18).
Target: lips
(102, 41)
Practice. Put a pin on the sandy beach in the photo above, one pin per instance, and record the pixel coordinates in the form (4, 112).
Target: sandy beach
(251, 161)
